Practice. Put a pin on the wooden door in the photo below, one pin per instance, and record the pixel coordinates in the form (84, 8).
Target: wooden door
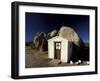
(57, 50)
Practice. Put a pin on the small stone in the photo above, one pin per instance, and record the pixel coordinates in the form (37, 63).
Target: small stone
(71, 62)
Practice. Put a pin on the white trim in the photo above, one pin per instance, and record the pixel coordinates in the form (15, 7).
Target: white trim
(53, 70)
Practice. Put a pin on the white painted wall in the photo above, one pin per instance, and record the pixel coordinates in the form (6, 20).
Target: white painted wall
(51, 49)
(64, 51)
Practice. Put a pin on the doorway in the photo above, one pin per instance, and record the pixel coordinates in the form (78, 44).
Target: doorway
(57, 50)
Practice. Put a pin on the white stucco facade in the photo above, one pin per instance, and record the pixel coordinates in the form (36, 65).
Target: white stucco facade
(66, 48)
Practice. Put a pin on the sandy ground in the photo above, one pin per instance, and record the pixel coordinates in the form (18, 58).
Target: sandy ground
(35, 58)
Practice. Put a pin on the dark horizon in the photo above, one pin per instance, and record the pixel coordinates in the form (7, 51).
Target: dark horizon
(42, 22)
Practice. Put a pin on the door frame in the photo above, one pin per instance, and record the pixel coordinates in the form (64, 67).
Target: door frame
(55, 57)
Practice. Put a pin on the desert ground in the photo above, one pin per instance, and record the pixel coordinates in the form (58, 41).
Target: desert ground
(34, 58)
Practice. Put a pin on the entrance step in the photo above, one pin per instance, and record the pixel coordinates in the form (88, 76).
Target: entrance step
(55, 62)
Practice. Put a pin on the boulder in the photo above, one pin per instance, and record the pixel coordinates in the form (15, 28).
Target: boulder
(40, 41)
(36, 41)
(69, 34)
(52, 34)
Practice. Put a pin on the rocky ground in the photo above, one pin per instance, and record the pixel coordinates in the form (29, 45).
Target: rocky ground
(35, 58)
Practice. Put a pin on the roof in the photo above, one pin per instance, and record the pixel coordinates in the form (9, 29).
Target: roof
(57, 38)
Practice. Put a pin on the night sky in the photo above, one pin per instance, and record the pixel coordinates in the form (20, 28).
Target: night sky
(43, 22)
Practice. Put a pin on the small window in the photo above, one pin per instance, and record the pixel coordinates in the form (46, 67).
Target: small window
(58, 45)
